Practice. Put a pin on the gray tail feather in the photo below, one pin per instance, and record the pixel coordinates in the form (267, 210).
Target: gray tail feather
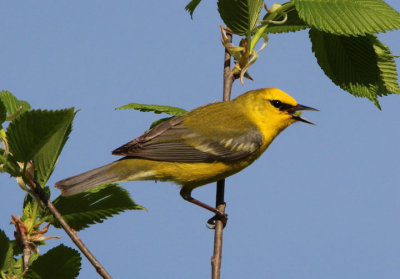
(87, 180)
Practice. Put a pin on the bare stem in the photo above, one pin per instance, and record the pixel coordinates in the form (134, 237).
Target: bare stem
(220, 205)
(70, 231)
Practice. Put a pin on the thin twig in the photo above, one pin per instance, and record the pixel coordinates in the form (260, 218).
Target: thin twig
(220, 205)
(70, 231)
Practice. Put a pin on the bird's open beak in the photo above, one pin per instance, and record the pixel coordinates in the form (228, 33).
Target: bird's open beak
(296, 112)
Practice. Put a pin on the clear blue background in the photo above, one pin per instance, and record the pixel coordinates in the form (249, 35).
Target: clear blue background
(323, 201)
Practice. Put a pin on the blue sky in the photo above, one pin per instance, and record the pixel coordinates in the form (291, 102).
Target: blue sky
(322, 202)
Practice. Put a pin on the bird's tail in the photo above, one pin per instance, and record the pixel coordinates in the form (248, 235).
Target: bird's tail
(87, 180)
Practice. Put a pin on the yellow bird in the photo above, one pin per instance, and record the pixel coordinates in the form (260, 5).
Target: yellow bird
(201, 146)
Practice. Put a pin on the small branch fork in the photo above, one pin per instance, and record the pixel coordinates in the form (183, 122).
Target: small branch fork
(27, 239)
(39, 192)
(220, 205)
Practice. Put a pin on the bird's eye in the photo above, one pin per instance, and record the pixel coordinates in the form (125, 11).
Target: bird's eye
(276, 103)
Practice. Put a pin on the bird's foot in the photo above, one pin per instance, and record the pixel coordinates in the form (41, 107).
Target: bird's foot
(211, 223)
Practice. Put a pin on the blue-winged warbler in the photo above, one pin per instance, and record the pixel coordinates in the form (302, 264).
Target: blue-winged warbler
(199, 147)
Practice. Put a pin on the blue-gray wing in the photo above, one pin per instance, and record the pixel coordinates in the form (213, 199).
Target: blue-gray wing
(173, 141)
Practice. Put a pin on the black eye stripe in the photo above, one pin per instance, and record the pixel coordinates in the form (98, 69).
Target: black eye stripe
(279, 105)
(276, 103)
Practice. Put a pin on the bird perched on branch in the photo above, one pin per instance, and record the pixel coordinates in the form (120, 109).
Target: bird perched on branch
(201, 146)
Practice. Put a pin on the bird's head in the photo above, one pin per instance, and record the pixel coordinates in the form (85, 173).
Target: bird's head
(274, 107)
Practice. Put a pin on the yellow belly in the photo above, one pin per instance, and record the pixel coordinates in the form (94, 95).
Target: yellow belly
(189, 175)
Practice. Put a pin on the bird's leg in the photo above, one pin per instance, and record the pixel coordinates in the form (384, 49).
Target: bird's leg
(218, 215)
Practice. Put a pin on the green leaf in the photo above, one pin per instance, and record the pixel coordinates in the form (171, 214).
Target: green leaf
(45, 160)
(6, 252)
(36, 133)
(154, 108)
(292, 24)
(30, 202)
(33, 257)
(192, 6)
(3, 112)
(13, 106)
(241, 16)
(60, 262)
(17, 267)
(16, 248)
(362, 65)
(348, 17)
(386, 65)
(10, 165)
(14, 245)
(92, 206)
(32, 213)
(155, 123)
(27, 212)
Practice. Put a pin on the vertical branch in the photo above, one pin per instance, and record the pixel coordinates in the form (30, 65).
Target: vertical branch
(71, 232)
(229, 78)
(220, 205)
